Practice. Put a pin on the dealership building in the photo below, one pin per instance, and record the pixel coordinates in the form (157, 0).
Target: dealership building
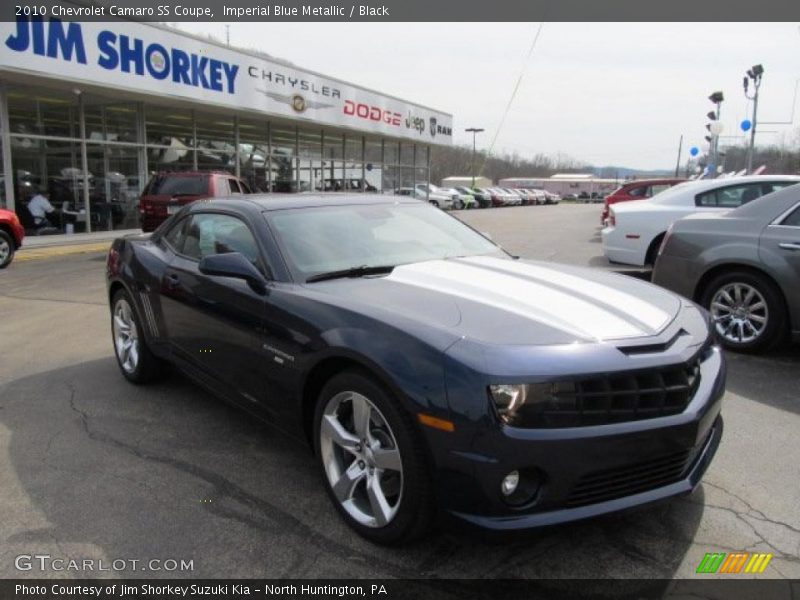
(90, 111)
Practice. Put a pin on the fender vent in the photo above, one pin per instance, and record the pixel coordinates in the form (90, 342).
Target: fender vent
(149, 315)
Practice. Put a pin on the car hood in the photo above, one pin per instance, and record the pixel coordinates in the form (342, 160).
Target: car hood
(500, 301)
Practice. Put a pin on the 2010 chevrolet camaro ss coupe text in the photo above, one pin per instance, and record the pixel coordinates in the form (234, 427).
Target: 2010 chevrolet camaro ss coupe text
(431, 371)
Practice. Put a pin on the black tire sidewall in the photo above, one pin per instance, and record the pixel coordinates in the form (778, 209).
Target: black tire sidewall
(773, 333)
(11, 248)
(415, 512)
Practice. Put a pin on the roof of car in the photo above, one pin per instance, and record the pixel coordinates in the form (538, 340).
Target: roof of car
(284, 201)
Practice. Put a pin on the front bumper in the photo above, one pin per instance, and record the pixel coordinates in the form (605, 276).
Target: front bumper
(627, 464)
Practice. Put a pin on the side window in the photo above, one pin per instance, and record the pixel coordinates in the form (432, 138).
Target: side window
(235, 189)
(774, 186)
(174, 237)
(658, 188)
(793, 220)
(729, 197)
(223, 189)
(208, 234)
(638, 192)
(245, 188)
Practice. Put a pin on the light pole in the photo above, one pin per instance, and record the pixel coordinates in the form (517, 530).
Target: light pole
(715, 128)
(474, 131)
(754, 73)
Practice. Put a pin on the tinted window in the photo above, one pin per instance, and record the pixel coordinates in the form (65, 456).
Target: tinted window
(235, 189)
(179, 185)
(638, 192)
(730, 197)
(658, 188)
(207, 234)
(793, 220)
(173, 237)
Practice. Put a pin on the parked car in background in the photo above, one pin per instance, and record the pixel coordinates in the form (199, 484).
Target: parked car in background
(443, 201)
(461, 200)
(512, 198)
(165, 193)
(528, 197)
(551, 197)
(570, 197)
(432, 374)
(495, 196)
(636, 229)
(743, 266)
(637, 190)
(11, 235)
(483, 199)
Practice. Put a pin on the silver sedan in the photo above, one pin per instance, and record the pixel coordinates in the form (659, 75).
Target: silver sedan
(743, 266)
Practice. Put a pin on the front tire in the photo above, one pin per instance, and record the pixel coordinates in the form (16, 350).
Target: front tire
(134, 357)
(372, 460)
(748, 310)
(7, 248)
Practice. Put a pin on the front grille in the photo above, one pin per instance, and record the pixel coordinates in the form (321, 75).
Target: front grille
(614, 398)
(609, 484)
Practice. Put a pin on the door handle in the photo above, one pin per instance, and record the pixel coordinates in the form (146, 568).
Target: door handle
(173, 281)
(790, 246)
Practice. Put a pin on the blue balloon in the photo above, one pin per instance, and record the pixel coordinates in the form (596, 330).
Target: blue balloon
(694, 151)
(746, 125)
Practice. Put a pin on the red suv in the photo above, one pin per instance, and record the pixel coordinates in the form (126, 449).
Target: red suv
(637, 190)
(165, 193)
(11, 234)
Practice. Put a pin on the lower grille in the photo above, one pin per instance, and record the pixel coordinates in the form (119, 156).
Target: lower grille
(609, 484)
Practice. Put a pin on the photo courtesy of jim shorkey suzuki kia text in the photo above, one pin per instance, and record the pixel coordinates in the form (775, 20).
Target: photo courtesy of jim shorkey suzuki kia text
(372, 590)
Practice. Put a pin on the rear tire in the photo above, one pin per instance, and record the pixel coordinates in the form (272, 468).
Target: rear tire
(7, 248)
(375, 472)
(748, 311)
(135, 359)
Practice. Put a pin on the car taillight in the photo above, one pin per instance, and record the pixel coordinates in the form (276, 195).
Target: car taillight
(612, 220)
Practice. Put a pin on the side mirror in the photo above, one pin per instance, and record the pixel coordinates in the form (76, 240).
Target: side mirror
(234, 264)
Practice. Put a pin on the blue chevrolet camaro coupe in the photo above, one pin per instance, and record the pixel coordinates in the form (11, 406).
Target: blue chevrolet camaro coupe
(430, 371)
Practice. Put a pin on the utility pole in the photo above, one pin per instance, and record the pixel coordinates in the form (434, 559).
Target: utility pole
(474, 131)
(678, 164)
(754, 73)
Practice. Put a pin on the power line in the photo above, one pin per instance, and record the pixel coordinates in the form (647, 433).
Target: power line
(513, 95)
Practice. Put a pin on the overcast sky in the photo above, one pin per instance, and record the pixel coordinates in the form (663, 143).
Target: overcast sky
(604, 93)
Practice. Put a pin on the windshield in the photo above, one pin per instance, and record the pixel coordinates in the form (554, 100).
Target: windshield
(324, 239)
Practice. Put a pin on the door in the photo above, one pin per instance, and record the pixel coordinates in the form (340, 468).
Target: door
(779, 249)
(214, 323)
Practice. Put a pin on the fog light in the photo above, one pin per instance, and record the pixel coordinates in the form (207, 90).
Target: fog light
(510, 483)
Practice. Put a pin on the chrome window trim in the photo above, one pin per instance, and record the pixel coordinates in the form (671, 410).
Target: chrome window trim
(778, 221)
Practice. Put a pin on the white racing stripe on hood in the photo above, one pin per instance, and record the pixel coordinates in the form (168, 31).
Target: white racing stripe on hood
(535, 300)
(644, 312)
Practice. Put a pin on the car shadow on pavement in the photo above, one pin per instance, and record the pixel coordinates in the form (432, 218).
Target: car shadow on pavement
(94, 467)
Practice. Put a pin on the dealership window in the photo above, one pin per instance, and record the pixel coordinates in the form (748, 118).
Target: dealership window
(254, 154)
(373, 157)
(309, 160)
(333, 161)
(284, 151)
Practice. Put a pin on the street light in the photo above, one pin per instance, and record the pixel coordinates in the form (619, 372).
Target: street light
(474, 131)
(754, 74)
(715, 127)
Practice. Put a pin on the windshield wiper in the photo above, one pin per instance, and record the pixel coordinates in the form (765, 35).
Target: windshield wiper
(361, 271)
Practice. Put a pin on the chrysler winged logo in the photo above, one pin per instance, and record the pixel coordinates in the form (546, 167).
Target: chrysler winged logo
(296, 101)
(433, 126)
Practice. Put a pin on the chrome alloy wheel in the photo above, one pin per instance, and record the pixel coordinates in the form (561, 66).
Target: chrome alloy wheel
(5, 251)
(361, 459)
(126, 337)
(740, 312)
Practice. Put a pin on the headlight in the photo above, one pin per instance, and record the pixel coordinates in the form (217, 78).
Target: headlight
(510, 398)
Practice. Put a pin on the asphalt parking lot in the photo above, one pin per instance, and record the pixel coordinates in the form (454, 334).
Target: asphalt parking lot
(93, 467)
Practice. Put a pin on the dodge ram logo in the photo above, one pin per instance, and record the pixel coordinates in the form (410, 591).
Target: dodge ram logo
(433, 126)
